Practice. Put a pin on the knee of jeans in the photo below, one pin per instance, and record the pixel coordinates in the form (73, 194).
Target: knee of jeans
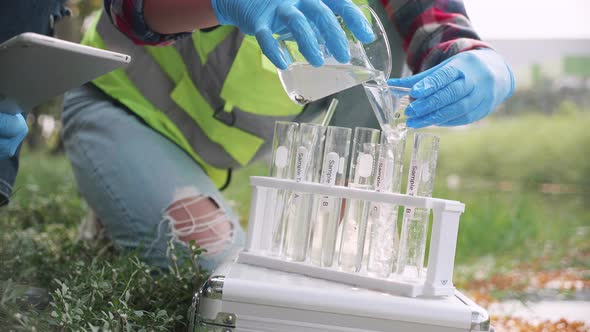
(200, 218)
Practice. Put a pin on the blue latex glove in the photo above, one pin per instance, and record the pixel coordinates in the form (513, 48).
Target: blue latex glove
(13, 128)
(263, 18)
(458, 91)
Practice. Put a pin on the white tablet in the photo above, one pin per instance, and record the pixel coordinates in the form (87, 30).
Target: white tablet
(35, 68)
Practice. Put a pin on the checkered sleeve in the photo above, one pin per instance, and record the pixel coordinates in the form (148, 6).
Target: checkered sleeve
(127, 16)
(432, 30)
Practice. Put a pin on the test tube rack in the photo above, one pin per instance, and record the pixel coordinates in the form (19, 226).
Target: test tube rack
(439, 271)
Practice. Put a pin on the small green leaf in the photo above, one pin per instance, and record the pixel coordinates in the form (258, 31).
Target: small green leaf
(161, 313)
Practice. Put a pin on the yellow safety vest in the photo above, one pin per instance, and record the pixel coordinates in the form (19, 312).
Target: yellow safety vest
(215, 95)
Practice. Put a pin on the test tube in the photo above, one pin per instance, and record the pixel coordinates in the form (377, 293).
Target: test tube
(280, 167)
(327, 211)
(300, 205)
(415, 220)
(383, 234)
(364, 153)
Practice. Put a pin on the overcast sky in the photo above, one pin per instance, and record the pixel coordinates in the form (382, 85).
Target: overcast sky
(530, 19)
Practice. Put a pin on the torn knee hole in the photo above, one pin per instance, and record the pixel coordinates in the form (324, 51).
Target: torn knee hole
(200, 219)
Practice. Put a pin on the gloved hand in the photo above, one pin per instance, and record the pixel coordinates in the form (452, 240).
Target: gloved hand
(460, 90)
(263, 18)
(13, 128)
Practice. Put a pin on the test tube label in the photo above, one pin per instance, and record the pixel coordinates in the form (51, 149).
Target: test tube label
(384, 174)
(383, 180)
(331, 164)
(413, 181)
(301, 163)
(365, 165)
(281, 157)
(329, 175)
(300, 169)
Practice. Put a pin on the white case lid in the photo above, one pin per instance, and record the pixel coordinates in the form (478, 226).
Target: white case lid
(254, 285)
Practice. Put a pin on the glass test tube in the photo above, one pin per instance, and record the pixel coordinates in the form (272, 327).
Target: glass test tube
(280, 167)
(383, 235)
(300, 205)
(415, 220)
(364, 153)
(327, 211)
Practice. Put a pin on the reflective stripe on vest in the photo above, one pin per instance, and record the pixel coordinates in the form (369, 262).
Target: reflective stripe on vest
(117, 83)
(212, 86)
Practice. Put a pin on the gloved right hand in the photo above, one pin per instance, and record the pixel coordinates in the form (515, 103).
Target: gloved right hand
(13, 129)
(263, 18)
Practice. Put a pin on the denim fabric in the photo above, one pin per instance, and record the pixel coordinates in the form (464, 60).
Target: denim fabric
(130, 174)
(16, 17)
(8, 169)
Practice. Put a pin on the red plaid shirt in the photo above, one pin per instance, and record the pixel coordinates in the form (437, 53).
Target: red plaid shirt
(432, 30)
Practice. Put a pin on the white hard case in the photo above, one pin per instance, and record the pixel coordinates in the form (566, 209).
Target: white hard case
(262, 292)
(245, 298)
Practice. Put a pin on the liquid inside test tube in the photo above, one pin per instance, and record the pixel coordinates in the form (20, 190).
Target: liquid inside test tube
(415, 220)
(364, 153)
(300, 205)
(383, 234)
(327, 210)
(280, 167)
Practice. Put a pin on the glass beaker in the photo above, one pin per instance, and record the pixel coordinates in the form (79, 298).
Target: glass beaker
(362, 173)
(415, 220)
(284, 140)
(327, 210)
(300, 205)
(389, 104)
(305, 83)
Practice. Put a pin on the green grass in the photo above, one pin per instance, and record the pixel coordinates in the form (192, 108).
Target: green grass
(532, 148)
(44, 194)
(521, 227)
(92, 286)
(503, 164)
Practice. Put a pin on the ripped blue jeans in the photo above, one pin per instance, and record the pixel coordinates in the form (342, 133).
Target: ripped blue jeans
(144, 188)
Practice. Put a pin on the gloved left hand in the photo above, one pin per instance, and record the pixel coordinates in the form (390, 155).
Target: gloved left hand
(263, 18)
(458, 91)
(13, 128)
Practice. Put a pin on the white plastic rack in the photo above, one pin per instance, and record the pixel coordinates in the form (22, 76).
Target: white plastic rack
(443, 240)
